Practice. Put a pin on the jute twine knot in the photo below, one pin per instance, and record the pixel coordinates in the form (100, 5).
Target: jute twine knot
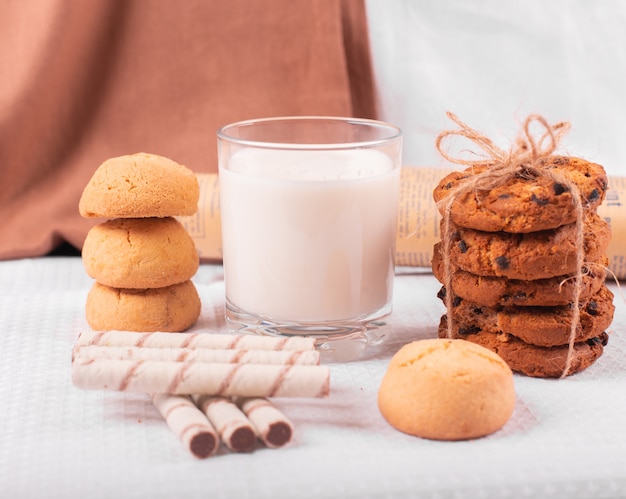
(521, 160)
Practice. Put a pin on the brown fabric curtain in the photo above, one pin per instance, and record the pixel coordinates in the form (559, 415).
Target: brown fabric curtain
(85, 81)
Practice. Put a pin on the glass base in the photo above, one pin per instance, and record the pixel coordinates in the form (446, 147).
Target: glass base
(337, 341)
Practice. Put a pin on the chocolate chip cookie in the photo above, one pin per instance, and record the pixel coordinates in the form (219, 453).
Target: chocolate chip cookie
(528, 256)
(527, 202)
(536, 361)
(492, 291)
(539, 326)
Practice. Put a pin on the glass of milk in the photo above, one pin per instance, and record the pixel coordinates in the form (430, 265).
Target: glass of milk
(309, 213)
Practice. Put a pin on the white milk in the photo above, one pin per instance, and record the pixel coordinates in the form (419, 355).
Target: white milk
(309, 235)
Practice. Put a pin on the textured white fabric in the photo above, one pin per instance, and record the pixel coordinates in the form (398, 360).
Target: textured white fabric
(566, 438)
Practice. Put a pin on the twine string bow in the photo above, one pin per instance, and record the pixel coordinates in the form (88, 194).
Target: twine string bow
(523, 160)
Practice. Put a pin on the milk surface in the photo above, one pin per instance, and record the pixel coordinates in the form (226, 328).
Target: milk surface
(309, 236)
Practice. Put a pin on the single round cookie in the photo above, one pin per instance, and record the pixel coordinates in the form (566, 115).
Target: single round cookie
(492, 291)
(536, 361)
(525, 203)
(446, 390)
(170, 309)
(541, 326)
(139, 186)
(535, 255)
(140, 253)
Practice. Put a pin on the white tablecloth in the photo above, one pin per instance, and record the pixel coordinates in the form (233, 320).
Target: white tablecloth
(566, 438)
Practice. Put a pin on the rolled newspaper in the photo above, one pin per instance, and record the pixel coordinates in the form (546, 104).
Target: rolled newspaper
(188, 423)
(271, 425)
(220, 356)
(418, 219)
(232, 425)
(186, 378)
(223, 341)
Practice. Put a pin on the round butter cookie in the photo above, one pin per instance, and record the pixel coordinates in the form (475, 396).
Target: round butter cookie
(525, 203)
(170, 309)
(534, 255)
(139, 186)
(446, 390)
(492, 291)
(541, 326)
(533, 360)
(140, 253)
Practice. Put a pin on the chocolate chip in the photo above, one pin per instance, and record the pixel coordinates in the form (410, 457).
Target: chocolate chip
(592, 308)
(594, 196)
(477, 310)
(449, 185)
(559, 189)
(539, 201)
(604, 339)
(504, 196)
(463, 247)
(466, 330)
(442, 293)
(503, 262)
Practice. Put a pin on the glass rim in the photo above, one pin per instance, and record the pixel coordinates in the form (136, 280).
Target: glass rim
(395, 133)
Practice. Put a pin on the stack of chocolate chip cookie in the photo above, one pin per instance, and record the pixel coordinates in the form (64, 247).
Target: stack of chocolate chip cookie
(141, 258)
(513, 263)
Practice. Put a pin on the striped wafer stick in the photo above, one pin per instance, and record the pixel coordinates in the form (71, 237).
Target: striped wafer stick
(180, 378)
(271, 425)
(232, 425)
(189, 424)
(305, 357)
(195, 340)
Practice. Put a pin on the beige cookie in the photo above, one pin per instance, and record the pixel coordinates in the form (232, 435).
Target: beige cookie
(446, 390)
(140, 253)
(169, 309)
(138, 186)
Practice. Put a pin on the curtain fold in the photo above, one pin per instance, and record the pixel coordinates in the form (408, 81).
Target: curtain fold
(86, 81)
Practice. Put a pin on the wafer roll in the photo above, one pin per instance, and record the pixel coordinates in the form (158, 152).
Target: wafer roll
(306, 357)
(180, 378)
(188, 423)
(232, 425)
(195, 340)
(270, 424)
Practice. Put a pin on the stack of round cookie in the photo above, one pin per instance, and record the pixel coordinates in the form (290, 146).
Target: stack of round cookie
(513, 262)
(141, 258)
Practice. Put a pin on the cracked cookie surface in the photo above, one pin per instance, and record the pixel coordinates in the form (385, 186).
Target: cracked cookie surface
(138, 186)
(140, 253)
(170, 309)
